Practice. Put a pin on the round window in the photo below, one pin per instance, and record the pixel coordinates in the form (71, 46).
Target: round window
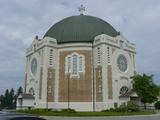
(122, 63)
(31, 91)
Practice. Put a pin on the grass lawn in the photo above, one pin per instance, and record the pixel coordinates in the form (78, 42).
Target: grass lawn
(78, 114)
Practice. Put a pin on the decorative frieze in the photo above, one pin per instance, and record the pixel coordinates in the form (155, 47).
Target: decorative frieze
(50, 84)
(99, 84)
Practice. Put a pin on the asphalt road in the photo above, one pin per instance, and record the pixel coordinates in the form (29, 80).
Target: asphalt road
(3, 116)
(148, 117)
(18, 116)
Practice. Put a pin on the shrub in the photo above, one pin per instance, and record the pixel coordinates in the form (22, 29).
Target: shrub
(157, 105)
(121, 108)
(132, 107)
(108, 110)
(68, 110)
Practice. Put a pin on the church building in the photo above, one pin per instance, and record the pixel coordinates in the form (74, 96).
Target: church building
(82, 63)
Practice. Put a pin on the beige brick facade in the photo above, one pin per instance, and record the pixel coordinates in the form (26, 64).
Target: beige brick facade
(80, 89)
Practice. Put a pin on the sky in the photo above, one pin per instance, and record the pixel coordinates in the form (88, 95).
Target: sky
(22, 20)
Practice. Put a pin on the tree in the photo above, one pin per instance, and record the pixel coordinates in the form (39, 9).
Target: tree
(19, 91)
(6, 98)
(2, 101)
(146, 89)
(11, 99)
(157, 105)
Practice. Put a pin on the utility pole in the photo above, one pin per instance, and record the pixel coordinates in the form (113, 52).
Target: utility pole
(93, 71)
(68, 76)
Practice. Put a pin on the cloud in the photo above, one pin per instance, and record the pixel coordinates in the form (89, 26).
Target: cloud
(22, 20)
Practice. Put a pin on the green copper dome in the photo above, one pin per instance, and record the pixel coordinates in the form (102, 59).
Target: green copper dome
(80, 28)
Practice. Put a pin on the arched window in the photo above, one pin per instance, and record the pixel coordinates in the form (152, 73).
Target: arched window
(80, 64)
(74, 72)
(69, 64)
(74, 64)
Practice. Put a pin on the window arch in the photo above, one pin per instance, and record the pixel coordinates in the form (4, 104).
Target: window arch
(31, 91)
(74, 64)
(80, 63)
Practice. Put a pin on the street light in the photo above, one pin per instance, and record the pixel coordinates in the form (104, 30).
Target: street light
(68, 76)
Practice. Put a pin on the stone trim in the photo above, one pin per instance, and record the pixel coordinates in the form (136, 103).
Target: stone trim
(40, 83)
(123, 77)
(25, 83)
(113, 40)
(128, 46)
(113, 50)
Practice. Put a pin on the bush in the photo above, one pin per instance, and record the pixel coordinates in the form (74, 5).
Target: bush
(130, 107)
(122, 108)
(108, 110)
(157, 105)
(68, 110)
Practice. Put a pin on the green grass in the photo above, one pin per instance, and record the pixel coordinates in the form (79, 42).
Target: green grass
(78, 114)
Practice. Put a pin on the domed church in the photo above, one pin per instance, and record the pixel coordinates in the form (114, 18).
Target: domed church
(82, 63)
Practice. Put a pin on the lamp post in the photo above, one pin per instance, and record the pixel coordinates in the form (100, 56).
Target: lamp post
(68, 77)
(93, 83)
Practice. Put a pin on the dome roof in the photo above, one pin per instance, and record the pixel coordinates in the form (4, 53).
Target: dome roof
(80, 28)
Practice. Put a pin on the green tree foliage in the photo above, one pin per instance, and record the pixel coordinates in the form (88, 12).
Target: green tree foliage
(157, 105)
(11, 99)
(146, 89)
(2, 101)
(129, 107)
(8, 100)
(19, 91)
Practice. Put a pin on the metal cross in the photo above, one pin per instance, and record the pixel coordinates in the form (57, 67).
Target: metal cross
(81, 9)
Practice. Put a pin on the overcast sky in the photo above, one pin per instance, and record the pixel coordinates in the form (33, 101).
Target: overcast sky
(21, 20)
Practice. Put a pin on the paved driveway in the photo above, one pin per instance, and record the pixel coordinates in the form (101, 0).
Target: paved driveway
(148, 117)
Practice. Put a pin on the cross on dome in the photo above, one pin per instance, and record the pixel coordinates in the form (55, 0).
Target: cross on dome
(81, 9)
